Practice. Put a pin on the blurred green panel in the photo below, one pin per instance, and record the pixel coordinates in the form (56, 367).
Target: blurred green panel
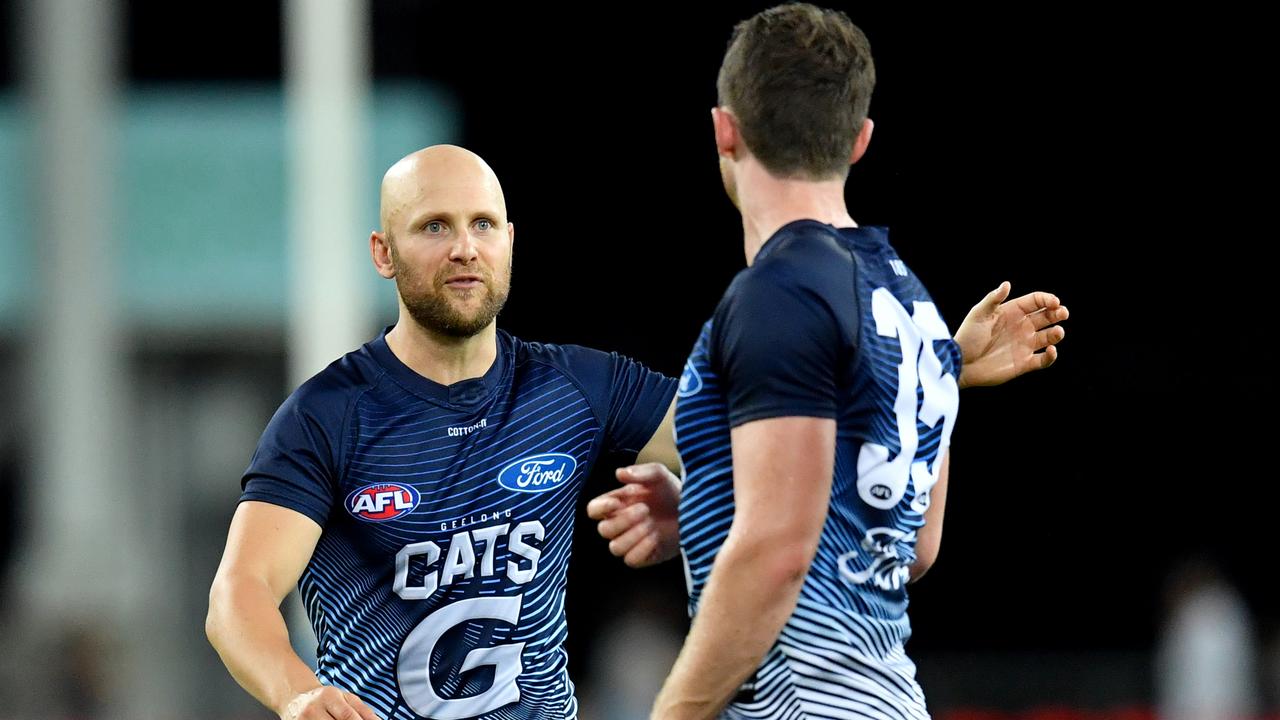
(200, 195)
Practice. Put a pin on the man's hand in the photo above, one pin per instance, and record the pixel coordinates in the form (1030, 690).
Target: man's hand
(327, 703)
(1002, 340)
(640, 519)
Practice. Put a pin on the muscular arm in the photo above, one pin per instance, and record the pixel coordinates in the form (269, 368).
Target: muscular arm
(267, 548)
(782, 471)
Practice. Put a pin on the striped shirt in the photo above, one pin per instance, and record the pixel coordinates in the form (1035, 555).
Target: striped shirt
(832, 324)
(437, 587)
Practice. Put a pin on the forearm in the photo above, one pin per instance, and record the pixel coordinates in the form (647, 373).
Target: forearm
(752, 591)
(929, 536)
(246, 628)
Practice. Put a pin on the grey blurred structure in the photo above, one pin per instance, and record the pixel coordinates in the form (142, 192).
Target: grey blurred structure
(1207, 660)
(83, 575)
(175, 259)
(629, 661)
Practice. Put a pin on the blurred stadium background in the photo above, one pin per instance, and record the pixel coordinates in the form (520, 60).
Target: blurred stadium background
(185, 198)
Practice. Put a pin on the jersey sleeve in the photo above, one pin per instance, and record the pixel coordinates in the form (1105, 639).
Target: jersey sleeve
(629, 398)
(296, 462)
(777, 344)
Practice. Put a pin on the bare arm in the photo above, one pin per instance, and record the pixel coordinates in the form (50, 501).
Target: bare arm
(929, 538)
(782, 485)
(267, 549)
(661, 448)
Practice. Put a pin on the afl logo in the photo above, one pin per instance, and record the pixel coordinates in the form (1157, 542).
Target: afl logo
(690, 381)
(382, 501)
(538, 473)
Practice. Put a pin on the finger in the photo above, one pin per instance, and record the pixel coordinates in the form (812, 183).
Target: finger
(602, 506)
(1045, 338)
(340, 710)
(365, 712)
(615, 500)
(646, 473)
(622, 521)
(1044, 317)
(643, 553)
(1032, 302)
(1046, 358)
(623, 544)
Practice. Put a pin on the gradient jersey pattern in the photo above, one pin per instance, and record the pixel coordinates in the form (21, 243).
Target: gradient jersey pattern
(826, 323)
(436, 589)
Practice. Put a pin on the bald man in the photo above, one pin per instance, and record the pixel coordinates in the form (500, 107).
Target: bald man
(420, 490)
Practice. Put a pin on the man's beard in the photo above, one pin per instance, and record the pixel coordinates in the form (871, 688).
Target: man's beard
(431, 306)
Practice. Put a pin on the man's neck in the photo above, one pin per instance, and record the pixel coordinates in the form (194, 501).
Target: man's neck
(443, 358)
(767, 203)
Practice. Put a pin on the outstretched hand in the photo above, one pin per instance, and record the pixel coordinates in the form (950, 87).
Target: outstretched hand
(1001, 340)
(640, 519)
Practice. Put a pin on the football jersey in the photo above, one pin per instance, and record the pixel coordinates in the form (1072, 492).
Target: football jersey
(826, 323)
(436, 589)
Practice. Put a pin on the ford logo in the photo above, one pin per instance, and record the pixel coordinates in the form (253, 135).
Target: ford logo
(538, 473)
(690, 381)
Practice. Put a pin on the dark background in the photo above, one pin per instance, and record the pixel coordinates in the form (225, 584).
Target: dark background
(1115, 160)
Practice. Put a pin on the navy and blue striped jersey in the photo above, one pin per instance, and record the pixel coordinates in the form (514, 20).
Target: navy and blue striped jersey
(437, 587)
(826, 323)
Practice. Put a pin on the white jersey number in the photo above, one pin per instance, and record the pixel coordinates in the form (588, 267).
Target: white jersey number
(883, 482)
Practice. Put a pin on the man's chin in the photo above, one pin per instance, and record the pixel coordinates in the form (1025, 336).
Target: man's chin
(469, 320)
(460, 327)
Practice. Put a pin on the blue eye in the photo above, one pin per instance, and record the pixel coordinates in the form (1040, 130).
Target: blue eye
(434, 227)
(484, 225)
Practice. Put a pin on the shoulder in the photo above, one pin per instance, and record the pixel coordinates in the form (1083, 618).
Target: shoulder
(328, 394)
(803, 264)
(804, 256)
(572, 360)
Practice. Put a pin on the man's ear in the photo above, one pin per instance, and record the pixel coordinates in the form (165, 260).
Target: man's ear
(861, 142)
(380, 251)
(726, 131)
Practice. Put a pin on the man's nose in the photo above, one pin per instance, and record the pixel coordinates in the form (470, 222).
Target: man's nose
(464, 247)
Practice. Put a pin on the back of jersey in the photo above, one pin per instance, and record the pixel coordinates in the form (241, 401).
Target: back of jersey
(827, 323)
(898, 405)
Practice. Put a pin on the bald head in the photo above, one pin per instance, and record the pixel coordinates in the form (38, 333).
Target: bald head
(445, 240)
(440, 177)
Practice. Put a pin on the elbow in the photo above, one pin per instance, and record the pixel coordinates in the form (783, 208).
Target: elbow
(918, 570)
(788, 568)
(778, 565)
(219, 598)
(925, 557)
(211, 617)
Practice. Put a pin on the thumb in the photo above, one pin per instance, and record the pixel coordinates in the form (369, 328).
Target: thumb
(995, 297)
